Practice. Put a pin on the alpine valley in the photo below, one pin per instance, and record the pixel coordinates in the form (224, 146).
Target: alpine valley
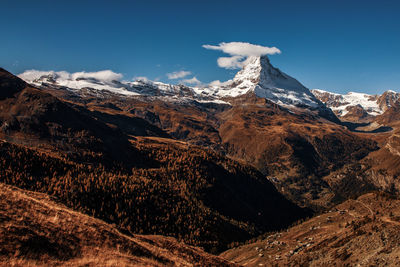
(95, 169)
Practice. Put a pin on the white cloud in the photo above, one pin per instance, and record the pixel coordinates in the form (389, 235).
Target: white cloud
(218, 83)
(193, 81)
(178, 74)
(30, 75)
(239, 52)
(103, 75)
(243, 49)
(234, 62)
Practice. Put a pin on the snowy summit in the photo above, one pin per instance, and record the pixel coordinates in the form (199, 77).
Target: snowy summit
(266, 81)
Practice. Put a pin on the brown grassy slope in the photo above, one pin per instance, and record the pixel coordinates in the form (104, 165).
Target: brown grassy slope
(35, 230)
(387, 160)
(283, 144)
(297, 148)
(361, 232)
(388, 157)
(193, 122)
(381, 168)
(278, 142)
(192, 194)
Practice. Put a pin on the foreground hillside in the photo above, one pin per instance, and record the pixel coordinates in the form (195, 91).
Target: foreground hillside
(186, 192)
(35, 230)
(360, 232)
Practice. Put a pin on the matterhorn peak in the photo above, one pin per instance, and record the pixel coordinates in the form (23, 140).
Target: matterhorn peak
(256, 69)
(258, 75)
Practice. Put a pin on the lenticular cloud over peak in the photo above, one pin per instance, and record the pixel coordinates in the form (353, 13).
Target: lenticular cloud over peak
(243, 49)
(239, 52)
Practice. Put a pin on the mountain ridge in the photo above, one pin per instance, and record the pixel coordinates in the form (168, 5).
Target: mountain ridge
(257, 76)
(357, 106)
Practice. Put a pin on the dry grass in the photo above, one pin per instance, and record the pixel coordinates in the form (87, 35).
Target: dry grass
(36, 231)
(361, 232)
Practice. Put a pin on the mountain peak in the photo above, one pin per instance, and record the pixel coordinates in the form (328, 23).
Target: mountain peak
(256, 69)
(266, 81)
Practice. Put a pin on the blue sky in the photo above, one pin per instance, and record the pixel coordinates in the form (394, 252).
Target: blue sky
(336, 45)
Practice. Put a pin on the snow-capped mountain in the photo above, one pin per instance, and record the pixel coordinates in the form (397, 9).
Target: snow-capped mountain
(257, 76)
(345, 105)
(102, 81)
(266, 81)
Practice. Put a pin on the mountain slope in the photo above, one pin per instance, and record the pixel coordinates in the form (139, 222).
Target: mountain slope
(290, 146)
(35, 230)
(9, 84)
(197, 196)
(380, 169)
(358, 232)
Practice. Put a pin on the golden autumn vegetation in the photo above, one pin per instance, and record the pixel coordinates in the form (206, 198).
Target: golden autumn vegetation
(36, 231)
(195, 195)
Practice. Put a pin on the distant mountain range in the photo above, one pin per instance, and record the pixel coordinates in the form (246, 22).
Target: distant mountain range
(258, 76)
(357, 106)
